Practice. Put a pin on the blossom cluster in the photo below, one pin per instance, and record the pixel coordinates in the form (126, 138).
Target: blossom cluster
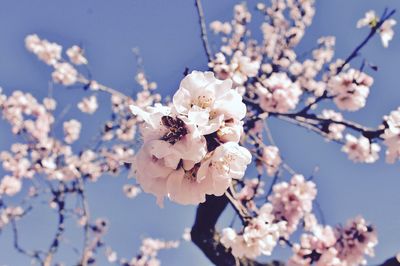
(190, 149)
(193, 146)
(361, 149)
(275, 220)
(345, 245)
(291, 201)
(350, 89)
(259, 236)
(391, 136)
(51, 53)
(148, 253)
(44, 153)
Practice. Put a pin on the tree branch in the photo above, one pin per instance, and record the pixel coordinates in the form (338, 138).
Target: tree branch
(203, 29)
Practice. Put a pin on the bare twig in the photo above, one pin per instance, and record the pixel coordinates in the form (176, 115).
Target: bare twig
(203, 29)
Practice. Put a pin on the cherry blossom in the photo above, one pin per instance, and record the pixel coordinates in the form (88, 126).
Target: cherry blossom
(65, 74)
(391, 136)
(46, 51)
(208, 102)
(355, 240)
(195, 146)
(187, 161)
(88, 104)
(361, 150)
(219, 27)
(316, 249)
(291, 201)
(278, 93)
(75, 55)
(369, 19)
(72, 130)
(350, 89)
(335, 130)
(260, 236)
(271, 159)
(10, 185)
(239, 69)
(386, 32)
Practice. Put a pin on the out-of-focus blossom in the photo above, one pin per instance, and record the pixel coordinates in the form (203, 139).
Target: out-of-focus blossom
(291, 201)
(391, 136)
(335, 130)
(355, 240)
(369, 19)
(131, 191)
(361, 150)
(350, 89)
(386, 31)
(259, 237)
(10, 185)
(239, 69)
(48, 52)
(72, 130)
(271, 159)
(75, 55)
(278, 93)
(65, 74)
(220, 27)
(88, 104)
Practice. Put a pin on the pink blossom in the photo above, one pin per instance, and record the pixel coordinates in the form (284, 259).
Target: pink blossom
(88, 104)
(48, 52)
(278, 93)
(208, 101)
(75, 55)
(239, 69)
(131, 191)
(361, 150)
(335, 130)
(391, 136)
(369, 19)
(212, 176)
(259, 237)
(291, 201)
(72, 130)
(350, 89)
(271, 159)
(65, 74)
(10, 185)
(219, 27)
(386, 32)
(355, 240)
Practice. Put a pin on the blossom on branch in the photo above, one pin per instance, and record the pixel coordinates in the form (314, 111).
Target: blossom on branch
(191, 149)
(361, 150)
(350, 89)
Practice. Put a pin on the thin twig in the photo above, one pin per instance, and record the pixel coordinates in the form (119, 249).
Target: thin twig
(203, 29)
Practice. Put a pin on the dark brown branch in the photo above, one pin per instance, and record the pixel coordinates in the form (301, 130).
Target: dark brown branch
(391, 262)
(206, 238)
(203, 30)
(321, 123)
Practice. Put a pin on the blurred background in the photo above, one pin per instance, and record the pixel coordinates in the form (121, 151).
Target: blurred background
(168, 36)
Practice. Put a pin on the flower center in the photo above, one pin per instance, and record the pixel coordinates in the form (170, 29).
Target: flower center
(191, 175)
(176, 129)
(203, 101)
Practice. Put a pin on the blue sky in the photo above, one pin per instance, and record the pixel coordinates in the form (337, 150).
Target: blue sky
(167, 34)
